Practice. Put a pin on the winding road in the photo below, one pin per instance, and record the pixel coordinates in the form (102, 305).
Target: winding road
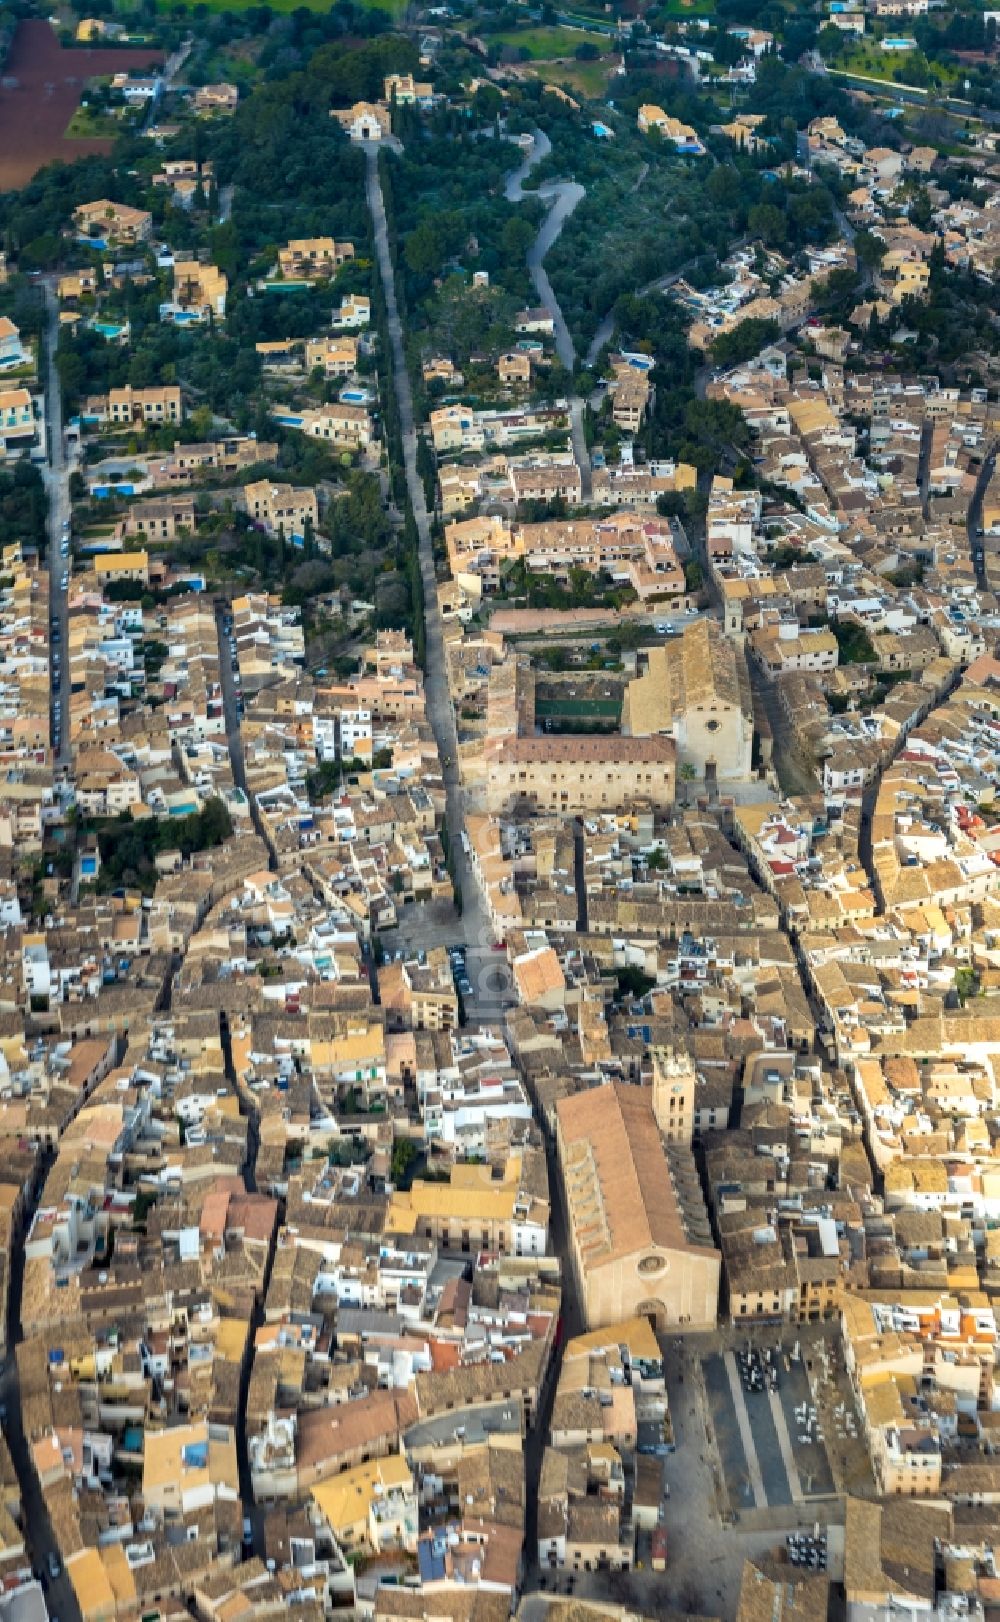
(562, 196)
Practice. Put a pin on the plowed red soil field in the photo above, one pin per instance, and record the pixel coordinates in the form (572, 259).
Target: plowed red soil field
(40, 91)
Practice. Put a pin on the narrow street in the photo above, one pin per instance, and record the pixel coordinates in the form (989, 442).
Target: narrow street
(580, 877)
(230, 710)
(793, 772)
(580, 451)
(234, 737)
(571, 1324)
(659, 284)
(474, 927)
(924, 465)
(251, 1511)
(41, 1543)
(57, 488)
(977, 541)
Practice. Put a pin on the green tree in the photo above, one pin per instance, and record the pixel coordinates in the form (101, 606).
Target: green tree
(516, 238)
(714, 428)
(870, 250)
(725, 186)
(404, 1153)
(921, 211)
(632, 983)
(744, 341)
(768, 222)
(839, 292)
(424, 250)
(72, 373)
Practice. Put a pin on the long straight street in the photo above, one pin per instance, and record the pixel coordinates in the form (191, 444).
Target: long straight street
(534, 565)
(42, 1545)
(474, 927)
(974, 520)
(230, 701)
(57, 487)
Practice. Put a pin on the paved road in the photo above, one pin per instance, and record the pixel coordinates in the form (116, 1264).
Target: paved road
(57, 487)
(977, 540)
(255, 1513)
(580, 878)
(572, 1324)
(41, 1542)
(915, 95)
(659, 284)
(171, 67)
(793, 773)
(563, 196)
(174, 63)
(234, 737)
(476, 930)
(844, 225)
(923, 465)
(580, 451)
(591, 25)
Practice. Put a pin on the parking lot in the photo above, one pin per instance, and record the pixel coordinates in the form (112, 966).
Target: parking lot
(807, 1550)
(770, 1444)
(710, 1527)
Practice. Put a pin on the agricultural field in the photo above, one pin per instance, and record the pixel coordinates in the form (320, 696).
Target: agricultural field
(546, 44)
(895, 67)
(86, 125)
(394, 8)
(43, 83)
(586, 79)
